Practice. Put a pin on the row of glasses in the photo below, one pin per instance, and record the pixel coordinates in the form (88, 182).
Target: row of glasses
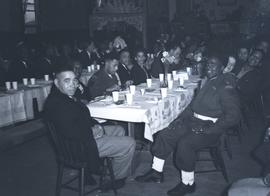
(11, 85)
(171, 77)
(93, 68)
(14, 84)
(129, 96)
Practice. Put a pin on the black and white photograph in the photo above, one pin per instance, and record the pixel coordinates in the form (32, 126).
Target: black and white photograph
(134, 98)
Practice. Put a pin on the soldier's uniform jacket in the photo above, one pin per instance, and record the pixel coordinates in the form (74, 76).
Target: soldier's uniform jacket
(216, 99)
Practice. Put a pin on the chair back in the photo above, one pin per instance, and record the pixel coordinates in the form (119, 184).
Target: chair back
(70, 152)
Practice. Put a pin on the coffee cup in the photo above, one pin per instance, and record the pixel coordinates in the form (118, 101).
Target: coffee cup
(149, 82)
(189, 71)
(170, 84)
(46, 77)
(15, 85)
(115, 95)
(93, 67)
(169, 76)
(32, 81)
(8, 85)
(89, 69)
(163, 93)
(174, 75)
(142, 91)
(132, 89)
(129, 98)
(181, 81)
(161, 77)
(25, 81)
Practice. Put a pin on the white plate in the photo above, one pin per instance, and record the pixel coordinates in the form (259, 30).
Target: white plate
(179, 90)
(33, 85)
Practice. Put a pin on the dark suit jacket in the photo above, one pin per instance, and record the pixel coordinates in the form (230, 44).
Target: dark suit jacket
(18, 70)
(82, 93)
(99, 82)
(157, 67)
(217, 99)
(42, 66)
(85, 60)
(238, 66)
(72, 119)
(138, 75)
(124, 74)
(250, 85)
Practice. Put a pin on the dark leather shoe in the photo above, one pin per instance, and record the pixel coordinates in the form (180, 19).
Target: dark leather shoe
(89, 180)
(151, 176)
(109, 185)
(181, 189)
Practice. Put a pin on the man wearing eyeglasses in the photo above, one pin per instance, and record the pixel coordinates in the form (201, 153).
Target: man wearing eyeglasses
(72, 118)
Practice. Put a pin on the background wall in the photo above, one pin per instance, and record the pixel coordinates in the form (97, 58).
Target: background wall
(221, 9)
(64, 14)
(251, 16)
(11, 16)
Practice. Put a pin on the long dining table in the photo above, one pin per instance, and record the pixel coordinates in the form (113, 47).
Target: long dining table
(17, 105)
(150, 108)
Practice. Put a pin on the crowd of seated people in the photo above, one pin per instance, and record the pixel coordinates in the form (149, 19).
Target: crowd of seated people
(233, 83)
(26, 60)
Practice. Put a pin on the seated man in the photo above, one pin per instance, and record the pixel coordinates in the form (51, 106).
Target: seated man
(81, 92)
(72, 119)
(159, 66)
(241, 59)
(124, 68)
(106, 80)
(214, 109)
(140, 71)
(249, 84)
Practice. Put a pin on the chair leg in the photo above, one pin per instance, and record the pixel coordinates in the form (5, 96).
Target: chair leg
(81, 182)
(213, 154)
(103, 173)
(239, 136)
(221, 163)
(243, 127)
(238, 133)
(109, 164)
(227, 146)
(59, 179)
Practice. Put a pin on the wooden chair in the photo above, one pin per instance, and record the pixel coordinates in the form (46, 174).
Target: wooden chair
(72, 154)
(216, 157)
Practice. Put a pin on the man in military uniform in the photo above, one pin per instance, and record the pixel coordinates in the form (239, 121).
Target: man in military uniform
(213, 111)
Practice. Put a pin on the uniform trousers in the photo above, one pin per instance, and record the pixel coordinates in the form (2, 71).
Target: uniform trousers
(116, 145)
(180, 139)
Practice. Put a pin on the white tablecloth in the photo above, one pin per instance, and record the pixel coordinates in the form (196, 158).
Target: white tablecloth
(17, 105)
(156, 114)
(12, 108)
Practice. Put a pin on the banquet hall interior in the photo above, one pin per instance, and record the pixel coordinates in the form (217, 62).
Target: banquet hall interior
(164, 48)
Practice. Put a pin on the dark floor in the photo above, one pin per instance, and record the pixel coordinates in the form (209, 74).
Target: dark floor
(29, 169)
